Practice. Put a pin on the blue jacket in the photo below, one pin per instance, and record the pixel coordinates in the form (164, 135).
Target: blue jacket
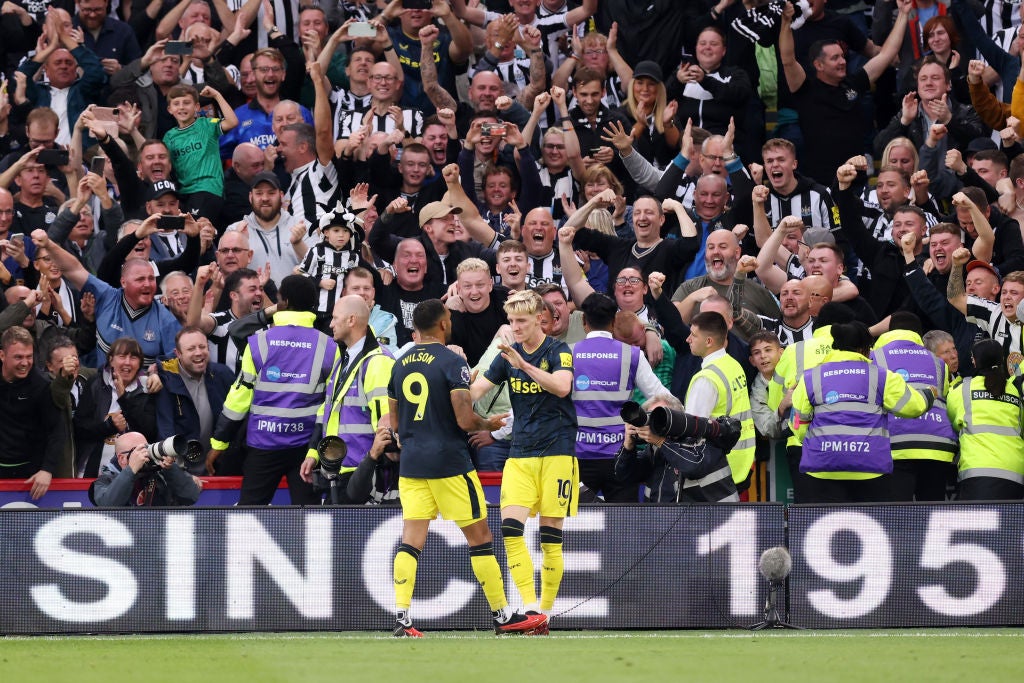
(175, 412)
(83, 92)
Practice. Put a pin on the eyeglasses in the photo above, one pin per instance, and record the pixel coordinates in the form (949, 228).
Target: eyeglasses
(382, 78)
(713, 158)
(594, 53)
(231, 250)
(267, 69)
(549, 146)
(629, 281)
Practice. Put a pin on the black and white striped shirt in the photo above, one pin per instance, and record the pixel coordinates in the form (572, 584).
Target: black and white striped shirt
(313, 191)
(345, 103)
(543, 269)
(222, 349)
(325, 263)
(810, 201)
(880, 223)
(412, 121)
(988, 317)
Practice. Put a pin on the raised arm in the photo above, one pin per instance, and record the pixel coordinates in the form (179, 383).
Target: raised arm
(956, 290)
(768, 271)
(579, 288)
(471, 219)
(440, 97)
(791, 69)
(73, 269)
(891, 47)
(322, 115)
(985, 244)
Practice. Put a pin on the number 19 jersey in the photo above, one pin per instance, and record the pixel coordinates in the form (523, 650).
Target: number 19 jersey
(433, 444)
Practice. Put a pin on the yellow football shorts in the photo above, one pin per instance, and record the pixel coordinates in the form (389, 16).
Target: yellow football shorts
(547, 485)
(459, 498)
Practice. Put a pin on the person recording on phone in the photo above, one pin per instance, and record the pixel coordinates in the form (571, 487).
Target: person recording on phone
(133, 479)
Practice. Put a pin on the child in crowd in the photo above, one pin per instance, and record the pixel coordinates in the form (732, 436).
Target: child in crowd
(194, 146)
(326, 263)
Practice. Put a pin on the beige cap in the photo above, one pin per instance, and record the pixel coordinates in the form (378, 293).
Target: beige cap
(436, 210)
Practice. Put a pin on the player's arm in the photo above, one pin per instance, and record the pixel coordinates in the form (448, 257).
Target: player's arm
(469, 421)
(558, 382)
(480, 386)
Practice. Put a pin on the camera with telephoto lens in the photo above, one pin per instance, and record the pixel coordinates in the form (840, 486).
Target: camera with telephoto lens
(332, 451)
(722, 432)
(189, 451)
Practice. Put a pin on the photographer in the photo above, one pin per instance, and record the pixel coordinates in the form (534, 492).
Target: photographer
(684, 471)
(133, 480)
(375, 480)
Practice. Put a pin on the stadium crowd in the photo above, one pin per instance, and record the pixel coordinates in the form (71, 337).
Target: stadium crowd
(804, 216)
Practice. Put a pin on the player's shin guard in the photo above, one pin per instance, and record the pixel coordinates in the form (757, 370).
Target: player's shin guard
(553, 566)
(488, 573)
(520, 565)
(406, 560)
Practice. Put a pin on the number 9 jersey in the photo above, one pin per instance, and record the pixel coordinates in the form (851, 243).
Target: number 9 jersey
(433, 444)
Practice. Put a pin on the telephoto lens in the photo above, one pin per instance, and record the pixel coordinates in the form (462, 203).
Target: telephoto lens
(722, 432)
(332, 452)
(173, 446)
(631, 413)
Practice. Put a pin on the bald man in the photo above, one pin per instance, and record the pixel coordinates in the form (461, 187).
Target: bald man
(726, 275)
(819, 293)
(362, 372)
(246, 161)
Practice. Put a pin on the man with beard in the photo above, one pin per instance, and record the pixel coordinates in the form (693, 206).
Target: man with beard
(408, 288)
(724, 277)
(647, 251)
(126, 311)
(274, 237)
(194, 389)
(32, 441)
(892, 191)
(243, 288)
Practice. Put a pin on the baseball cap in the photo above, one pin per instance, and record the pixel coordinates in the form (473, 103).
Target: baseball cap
(436, 210)
(160, 188)
(648, 69)
(816, 235)
(266, 177)
(976, 263)
(980, 144)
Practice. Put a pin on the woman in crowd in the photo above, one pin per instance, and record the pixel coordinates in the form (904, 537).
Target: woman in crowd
(117, 399)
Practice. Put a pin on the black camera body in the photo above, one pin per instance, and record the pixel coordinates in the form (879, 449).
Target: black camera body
(722, 432)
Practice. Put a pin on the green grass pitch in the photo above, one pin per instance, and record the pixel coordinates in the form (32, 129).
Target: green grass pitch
(960, 656)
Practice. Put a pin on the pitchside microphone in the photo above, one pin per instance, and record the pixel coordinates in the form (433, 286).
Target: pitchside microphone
(775, 564)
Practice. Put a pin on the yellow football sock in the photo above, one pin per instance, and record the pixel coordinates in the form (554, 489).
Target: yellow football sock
(488, 573)
(553, 566)
(520, 564)
(406, 560)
